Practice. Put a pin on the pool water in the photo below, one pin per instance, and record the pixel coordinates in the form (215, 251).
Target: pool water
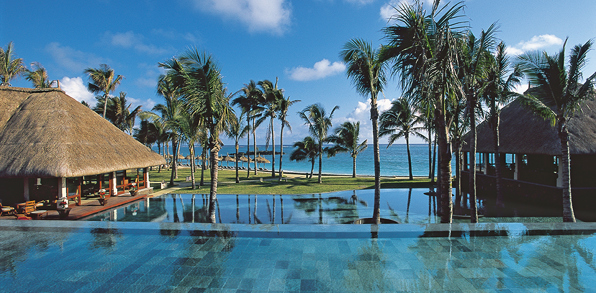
(66, 256)
(344, 207)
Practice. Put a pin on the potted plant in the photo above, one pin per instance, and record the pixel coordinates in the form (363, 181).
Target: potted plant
(102, 197)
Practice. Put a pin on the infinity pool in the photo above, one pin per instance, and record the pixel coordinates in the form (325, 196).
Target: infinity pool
(69, 256)
(344, 207)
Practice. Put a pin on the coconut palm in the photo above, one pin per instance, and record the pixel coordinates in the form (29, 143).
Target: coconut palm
(201, 88)
(423, 50)
(284, 106)
(498, 90)
(346, 140)
(248, 102)
(9, 68)
(236, 132)
(38, 76)
(103, 80)
(307, 149)
(118, 112)
(191, 128)
(559, 93)
(318, 123)
(367, 72)
(272, 96)
(401, 121)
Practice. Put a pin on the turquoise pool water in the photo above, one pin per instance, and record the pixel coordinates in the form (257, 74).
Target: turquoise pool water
(65, 256)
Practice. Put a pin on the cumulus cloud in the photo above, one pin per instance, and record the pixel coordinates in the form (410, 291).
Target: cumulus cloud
(75, 87)
(260, 16)
(72, 59)
(362, 113)
(320, 70)
(130, 40)
(535, 43)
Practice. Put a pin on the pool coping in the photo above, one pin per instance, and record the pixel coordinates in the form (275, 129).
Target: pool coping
(321, 231)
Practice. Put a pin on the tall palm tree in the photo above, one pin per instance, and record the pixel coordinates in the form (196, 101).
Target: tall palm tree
(367, 71)
(191, 128)
(103, 80)
(498, 90)
(284, 106)
(9, 68)
(118, 112)
(155, 131)
(202, 89)
(272, 96)
(559, 93)
(307, 149)
(248, 102)
(401, 121)
(38, 76)
(423, 50)
(236, 131)
(345, 138)
(318, 123)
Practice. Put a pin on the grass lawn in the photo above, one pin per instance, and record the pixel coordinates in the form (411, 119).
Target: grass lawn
(297, 185)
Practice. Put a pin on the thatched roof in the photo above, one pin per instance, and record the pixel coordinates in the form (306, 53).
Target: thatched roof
(46, 133)
(523, 132)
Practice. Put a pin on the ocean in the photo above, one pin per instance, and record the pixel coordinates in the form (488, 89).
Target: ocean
(394, 160)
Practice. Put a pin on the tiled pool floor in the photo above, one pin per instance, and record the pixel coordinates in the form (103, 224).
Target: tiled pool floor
(62, 256)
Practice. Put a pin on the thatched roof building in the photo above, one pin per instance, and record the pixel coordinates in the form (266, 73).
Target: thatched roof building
(46, 133)
(522, 132)
(62, 149)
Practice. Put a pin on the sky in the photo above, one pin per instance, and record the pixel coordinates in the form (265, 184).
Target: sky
(297, 42)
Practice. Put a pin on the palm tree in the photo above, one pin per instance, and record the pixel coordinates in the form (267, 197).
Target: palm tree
(318, 123)
(155, 131)
(346, 138)
(191, 128)
(559, 94)
(423, 50)
(118, 112)
(284, 106)
(366, 69)
(237, 131)
(272, 96)
(202, 89)
(38, 76)
(9, 68)
(248, 102)
(307, 149)
(498, 90)
(102, 80)
(400, 121)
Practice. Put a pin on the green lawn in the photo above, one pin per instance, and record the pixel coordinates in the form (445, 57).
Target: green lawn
(300, 185)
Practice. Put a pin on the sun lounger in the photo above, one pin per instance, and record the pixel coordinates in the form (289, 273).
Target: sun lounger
(6, 210)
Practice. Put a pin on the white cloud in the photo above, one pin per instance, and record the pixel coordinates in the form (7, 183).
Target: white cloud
(388, 10)
(320, 70)
(259, 15)
(72, 59)
(362, 113)
(521, 88)
(75, 88)
(130, 40)
(535, 43)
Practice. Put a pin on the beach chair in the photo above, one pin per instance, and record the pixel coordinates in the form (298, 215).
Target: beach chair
(7, 210)
(25, 209)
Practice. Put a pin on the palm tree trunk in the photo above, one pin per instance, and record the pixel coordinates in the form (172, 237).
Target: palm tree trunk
(159, 152)
(105, 104)
(191, 149)
(174, 165)
(281, 150)
(236, 159)
(498, 167)
(458, 161)
(247, 146)
(445, 166)
(254, 142)
(353, 166)
(432, 171)
(374, 116)
(568, 214)
(312, 167)
(409, 156)
(320, 160)
(472, 182)
(203, 163)
(214, 148)
(430, 153)
(273, 154)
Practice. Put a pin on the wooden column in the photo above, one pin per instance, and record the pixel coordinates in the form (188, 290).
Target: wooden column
(517, 160)
(113, 188)
(26, 189)
(146, 174)
(559, 172)
(62, 192)
(486, 164)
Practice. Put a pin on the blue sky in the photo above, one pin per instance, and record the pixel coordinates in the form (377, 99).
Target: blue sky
(296, 41)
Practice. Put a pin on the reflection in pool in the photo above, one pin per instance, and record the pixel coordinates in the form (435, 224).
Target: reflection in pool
(344, 207)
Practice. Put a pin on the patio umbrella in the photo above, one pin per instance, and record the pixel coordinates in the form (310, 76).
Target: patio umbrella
(262, 160)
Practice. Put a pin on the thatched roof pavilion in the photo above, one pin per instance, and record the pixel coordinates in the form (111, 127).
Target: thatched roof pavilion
(44, 133)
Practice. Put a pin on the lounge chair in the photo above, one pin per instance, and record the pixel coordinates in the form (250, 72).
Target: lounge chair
(25, 209)
(7, 210)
